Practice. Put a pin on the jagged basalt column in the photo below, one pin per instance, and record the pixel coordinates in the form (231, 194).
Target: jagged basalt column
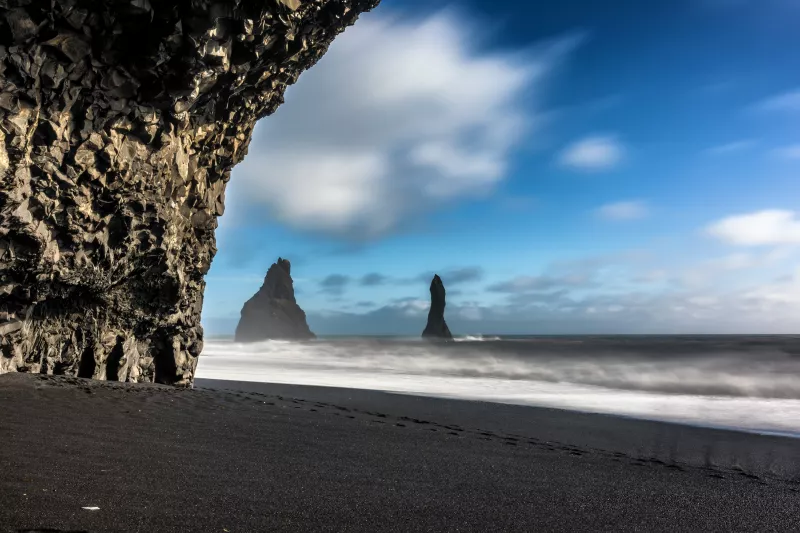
(120, 122)
(272, 312)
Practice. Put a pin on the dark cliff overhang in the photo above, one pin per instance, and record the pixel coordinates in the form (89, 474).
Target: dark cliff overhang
(120, 123)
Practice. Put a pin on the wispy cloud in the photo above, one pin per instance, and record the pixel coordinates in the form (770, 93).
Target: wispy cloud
(522, 284)
(630, 210)
(598, 152)
(767, 227)
(572, 274)
(788, 101)
(372, 279)
(451, 276)
(791, 151)
(658, 275)
(410, 306)
(334, 284)
(731, 147)
(517, 203)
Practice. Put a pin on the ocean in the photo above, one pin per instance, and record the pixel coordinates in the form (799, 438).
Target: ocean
(747, 382)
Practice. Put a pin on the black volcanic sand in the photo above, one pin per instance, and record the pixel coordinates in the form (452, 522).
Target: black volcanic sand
(286, 458)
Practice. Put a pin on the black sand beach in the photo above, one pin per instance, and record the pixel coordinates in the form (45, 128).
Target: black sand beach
(288, 458)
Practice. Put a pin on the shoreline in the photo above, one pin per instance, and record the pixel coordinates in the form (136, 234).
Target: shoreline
(691, 444)
(765, 431)
(255, 457)
(752, 431)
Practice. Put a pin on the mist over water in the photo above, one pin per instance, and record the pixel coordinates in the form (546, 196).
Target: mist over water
(744, 382)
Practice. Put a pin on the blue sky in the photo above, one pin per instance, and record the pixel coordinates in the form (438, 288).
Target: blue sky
(629, 167)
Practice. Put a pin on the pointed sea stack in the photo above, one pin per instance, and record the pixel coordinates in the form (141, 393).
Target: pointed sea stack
(273, 313)
(437, 329)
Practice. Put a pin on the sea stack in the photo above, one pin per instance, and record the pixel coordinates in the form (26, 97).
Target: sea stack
(273, 313)
(437, 329)
(120, 124)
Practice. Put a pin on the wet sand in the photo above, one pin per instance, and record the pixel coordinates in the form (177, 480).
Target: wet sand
(270, 457)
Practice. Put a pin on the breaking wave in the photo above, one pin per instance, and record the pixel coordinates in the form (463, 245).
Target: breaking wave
(744, 382)
(475, 338)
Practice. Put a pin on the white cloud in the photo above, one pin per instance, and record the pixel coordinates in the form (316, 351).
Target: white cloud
(523, 284)
(597, 152)
(732, 269)
(731, 147)
(788, 101)
(767, 227)
(398, 116)
(631, 210)
(471, 312)
(517, 203)
(737, 261)
(786, 291)
(791, 151)
(710, 271)
(411, 306)
(652, 276)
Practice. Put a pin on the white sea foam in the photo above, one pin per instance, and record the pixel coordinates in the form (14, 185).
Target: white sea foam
(761, 396)
(475, 338)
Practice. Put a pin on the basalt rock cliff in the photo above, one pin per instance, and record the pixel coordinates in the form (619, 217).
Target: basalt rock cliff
(437, 329)
(273, 313)
(120, 122)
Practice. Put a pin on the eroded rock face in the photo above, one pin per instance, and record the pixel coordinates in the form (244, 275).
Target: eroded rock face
(273, 313)
(120, 122)
(436, 328)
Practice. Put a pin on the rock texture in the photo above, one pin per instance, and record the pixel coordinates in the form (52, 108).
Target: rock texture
(273, 313)
(437, 329)
(120, 122)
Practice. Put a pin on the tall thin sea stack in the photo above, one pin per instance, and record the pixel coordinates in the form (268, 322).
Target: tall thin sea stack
(120, 122)
(436, 328)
